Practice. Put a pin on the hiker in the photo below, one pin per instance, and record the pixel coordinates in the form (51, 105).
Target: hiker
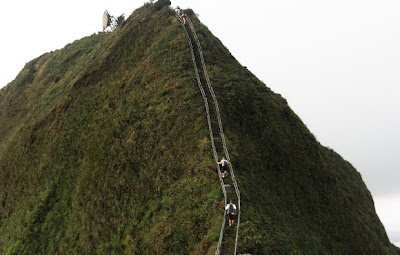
(178, 11)
(184, 17)
(231, 209)
(224, 166)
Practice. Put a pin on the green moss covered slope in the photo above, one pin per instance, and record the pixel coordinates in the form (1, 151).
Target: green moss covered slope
(104, 149)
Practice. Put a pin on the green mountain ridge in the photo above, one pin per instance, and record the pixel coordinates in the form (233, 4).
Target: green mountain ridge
(104, 149)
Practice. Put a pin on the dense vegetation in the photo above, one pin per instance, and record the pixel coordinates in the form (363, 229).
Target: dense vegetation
(104, 150)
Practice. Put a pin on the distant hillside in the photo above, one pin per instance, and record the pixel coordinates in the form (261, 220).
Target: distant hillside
(104, 149)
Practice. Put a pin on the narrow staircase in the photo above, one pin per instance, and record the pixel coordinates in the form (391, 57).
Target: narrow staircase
(228, 240)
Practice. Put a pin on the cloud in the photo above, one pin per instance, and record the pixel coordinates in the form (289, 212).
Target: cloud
(388, 210)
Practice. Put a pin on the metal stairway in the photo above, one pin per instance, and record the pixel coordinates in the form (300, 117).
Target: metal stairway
(228, 239)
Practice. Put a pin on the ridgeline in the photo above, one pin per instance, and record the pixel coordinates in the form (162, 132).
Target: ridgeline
(105, 149)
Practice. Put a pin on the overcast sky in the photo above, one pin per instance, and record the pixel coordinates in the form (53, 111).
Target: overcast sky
(336, 62)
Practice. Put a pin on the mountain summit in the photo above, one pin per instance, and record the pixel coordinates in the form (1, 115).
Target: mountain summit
(106, 147)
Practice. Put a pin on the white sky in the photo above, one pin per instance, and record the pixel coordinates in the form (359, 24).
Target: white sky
(336, 62)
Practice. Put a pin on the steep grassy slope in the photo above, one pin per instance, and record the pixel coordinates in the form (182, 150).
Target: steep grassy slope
(104, 150)
(298, 196)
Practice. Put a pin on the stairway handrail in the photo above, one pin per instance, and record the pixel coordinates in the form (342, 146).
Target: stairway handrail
(206, 106)
(220, 128)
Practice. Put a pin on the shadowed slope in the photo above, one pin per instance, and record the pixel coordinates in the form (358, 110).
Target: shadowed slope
(298, 197)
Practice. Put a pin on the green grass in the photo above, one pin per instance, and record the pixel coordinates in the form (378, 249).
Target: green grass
(104, 149)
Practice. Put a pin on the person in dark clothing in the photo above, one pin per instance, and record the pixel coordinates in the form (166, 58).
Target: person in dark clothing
(224, 166)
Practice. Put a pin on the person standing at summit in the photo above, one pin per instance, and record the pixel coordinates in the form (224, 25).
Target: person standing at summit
(184, 17)
(178, 11)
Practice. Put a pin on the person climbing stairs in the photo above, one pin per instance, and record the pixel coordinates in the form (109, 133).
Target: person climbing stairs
(228, 240)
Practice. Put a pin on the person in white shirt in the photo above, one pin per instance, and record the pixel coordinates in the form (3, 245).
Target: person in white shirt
(231, 209)
(178, 11)
(224, 166)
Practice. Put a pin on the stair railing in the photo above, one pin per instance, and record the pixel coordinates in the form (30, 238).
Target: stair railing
(215, 101)
(206, 106)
